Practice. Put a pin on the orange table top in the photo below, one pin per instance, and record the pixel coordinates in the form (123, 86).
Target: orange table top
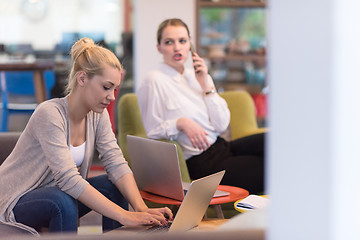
(236, 193)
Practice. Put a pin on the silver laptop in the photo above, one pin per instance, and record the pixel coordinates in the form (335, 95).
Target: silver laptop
(156, 167)
(195, 203)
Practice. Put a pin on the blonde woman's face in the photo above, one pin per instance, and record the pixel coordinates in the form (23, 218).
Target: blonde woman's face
(175, 46)
(100, 90)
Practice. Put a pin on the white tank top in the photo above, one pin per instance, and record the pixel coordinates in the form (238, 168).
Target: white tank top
(78, 153)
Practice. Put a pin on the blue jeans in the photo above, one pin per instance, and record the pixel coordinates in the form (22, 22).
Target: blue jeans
(54, 209)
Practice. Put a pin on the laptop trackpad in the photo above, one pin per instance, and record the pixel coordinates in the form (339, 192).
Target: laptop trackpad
(218, 193)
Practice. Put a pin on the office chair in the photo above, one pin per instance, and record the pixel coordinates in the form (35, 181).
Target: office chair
(18, 93)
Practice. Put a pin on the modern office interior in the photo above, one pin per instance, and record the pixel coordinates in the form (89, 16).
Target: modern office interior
(297, 60)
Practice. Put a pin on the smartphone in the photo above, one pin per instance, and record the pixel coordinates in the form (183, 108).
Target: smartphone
(192, 50)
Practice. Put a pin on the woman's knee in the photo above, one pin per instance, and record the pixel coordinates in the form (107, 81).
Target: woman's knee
(51, 196)
(65, 213)
(65, 203)
(48, 207)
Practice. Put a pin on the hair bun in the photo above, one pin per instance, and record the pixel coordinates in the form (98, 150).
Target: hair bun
(80, 46)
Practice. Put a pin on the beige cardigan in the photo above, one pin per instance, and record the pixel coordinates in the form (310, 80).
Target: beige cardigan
(41, 157)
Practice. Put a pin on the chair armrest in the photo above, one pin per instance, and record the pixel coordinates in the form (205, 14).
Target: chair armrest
(255, 131)
(7, 143)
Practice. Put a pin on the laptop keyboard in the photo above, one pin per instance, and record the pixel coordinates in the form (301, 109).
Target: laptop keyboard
(159, 228)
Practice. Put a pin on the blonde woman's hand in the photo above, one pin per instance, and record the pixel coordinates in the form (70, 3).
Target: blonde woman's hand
(133, 219)
(194, 131)
(164, 212)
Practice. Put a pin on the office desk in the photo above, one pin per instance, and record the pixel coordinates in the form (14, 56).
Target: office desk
(38, 67)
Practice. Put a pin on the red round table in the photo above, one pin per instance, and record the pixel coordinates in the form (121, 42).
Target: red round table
(236, 193)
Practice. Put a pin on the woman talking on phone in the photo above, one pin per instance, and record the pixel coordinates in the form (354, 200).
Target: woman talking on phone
(182, 104)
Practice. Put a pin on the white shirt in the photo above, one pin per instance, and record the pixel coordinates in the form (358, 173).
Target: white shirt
(166, 95)
(78, 153)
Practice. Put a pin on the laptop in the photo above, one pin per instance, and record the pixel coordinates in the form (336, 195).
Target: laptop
(156, 168)
(195, 203)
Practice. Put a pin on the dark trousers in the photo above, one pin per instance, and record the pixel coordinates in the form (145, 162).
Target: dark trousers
(54, 209)
(243, 160)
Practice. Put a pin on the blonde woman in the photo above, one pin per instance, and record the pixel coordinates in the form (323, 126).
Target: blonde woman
(43, 183)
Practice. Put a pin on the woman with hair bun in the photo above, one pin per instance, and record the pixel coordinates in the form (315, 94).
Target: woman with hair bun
(43, 182)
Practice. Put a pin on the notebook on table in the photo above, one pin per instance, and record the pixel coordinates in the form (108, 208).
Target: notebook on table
(156, 168)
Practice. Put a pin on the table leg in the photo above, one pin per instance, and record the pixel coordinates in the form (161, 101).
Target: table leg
(2, 75)
(219, 212)
(39, 86)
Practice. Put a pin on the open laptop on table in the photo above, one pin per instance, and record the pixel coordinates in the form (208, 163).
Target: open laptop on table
(191, 210)
(156, 168)
(194, 205)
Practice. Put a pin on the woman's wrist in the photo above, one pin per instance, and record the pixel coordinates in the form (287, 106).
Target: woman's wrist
(141, 207)
(120, 214)
(179, 124)
(209, 92)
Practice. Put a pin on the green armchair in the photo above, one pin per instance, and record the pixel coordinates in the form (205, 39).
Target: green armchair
(243, 114)
(129, 122)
